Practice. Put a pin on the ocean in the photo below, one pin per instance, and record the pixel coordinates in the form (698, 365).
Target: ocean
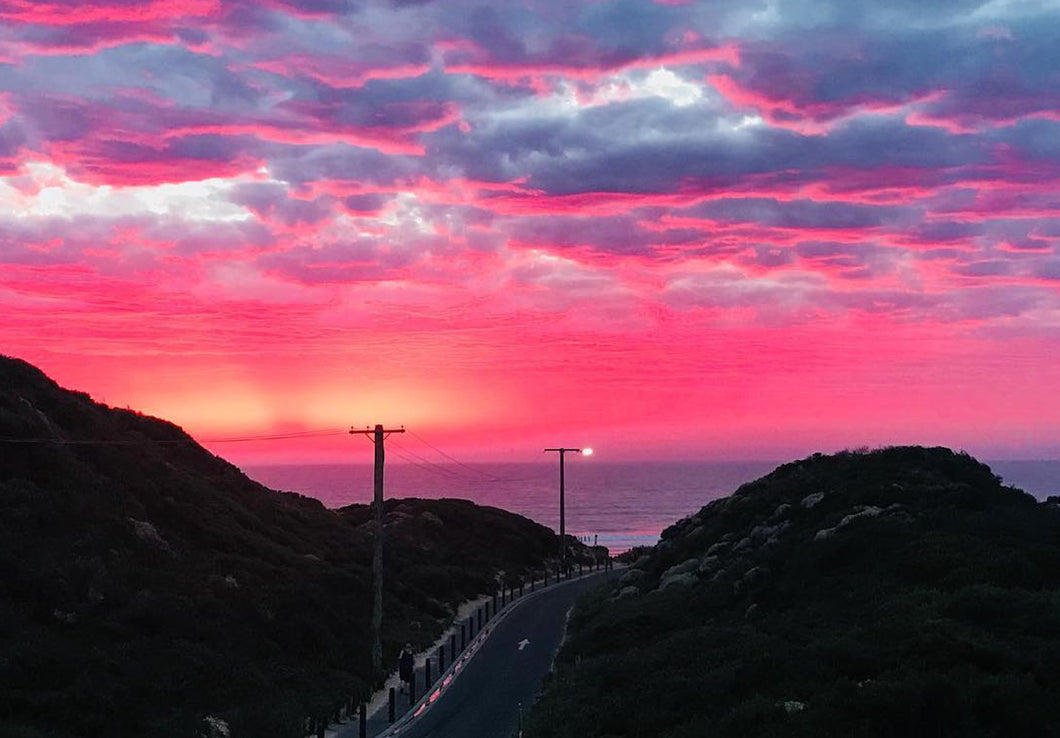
(619, 505)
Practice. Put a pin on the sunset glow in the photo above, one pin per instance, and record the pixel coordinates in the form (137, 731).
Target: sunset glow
(678, 230)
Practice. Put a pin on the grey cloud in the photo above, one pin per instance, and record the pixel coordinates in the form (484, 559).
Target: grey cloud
(799, 213)
(301, 165)
(365, 203)
(273, 201)
(984, 268)
(1047, 269)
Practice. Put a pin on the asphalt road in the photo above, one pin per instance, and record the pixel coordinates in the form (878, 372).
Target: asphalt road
(483, 702)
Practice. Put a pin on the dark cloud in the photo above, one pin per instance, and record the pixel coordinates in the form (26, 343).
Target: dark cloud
(938, 232)
(615, 235)
(339, 162)
(365, 203)
(618, 151)
(355, 260)
(985, 268)
(831, 72)
(274, 202)
(799, 213)
(1048, 269)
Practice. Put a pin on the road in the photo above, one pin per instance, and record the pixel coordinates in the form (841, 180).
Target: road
(483, 702)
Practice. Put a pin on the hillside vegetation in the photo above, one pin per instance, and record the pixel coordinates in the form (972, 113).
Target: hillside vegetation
(147, 583)
(900, 592)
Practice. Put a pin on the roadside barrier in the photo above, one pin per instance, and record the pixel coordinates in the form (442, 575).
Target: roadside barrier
(355, 708)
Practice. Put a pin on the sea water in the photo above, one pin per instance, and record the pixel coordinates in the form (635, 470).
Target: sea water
(619, 505)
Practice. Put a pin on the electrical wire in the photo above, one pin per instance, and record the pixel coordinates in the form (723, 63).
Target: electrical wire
(402, 451)
(408, 454)
(172, 441)
(491, 477)
(454, 473)
(440, 472)
(279, 437)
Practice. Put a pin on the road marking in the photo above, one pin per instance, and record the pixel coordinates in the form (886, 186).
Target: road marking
(524, 643)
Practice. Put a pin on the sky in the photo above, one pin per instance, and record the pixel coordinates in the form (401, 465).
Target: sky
(728, 229)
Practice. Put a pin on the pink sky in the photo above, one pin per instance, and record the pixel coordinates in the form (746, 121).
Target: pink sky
(704, 230)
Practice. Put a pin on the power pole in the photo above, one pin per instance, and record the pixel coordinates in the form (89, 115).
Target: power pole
(562, 514)
(378, 434)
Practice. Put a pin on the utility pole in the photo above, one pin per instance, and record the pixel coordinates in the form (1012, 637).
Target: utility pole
(562, 514)
(378, 434)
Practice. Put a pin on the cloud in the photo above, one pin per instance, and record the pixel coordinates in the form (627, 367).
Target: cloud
(272, 201)
(809, 80)
(664, 169)
(70, 13)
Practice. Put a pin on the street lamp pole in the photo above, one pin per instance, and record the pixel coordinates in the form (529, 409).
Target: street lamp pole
(562, 511)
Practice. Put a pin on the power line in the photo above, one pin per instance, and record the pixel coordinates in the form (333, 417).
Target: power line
(437, 471)
(172, 441)
(279, 437)
(484, 474)
(411, 456)
(454, 474)
(491, 477)
(427, 461)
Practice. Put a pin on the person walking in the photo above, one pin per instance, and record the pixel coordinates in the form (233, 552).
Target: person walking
(405, 666)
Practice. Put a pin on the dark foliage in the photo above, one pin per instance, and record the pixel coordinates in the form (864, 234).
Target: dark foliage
(901, 592)
(147, 583)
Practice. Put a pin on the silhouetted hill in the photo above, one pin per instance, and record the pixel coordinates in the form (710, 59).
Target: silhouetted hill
(148, 583)
(902, 592)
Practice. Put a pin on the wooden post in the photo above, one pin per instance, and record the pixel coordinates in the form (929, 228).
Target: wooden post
(427, 681)
(364, 715)
(391, 706)
(441, 659)
(377, 557)
(412, 688)
(562, 516)
(452, 647)
(378, 435)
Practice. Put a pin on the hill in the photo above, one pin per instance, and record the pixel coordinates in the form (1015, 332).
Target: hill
(148, 583)
(899, 592)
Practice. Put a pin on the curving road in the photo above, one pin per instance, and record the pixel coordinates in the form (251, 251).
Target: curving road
(484, 701)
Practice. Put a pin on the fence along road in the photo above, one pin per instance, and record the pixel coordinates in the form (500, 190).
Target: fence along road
(505, 671)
